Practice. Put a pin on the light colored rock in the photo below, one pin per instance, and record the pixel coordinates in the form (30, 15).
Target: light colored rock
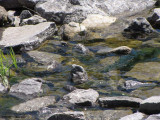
(119, 101)
(82, 97)
(27, 37)
(150, 105)
(135, 116)
(80, 48)
(2, 88)
(3, 16)
(95, 21)
(34, 104)
(78, 74)
(148, 71)
(28, 88)
(69, 115)
(154, 117)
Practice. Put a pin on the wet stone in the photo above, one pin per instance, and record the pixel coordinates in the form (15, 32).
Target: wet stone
(150, 105)
(119, 101)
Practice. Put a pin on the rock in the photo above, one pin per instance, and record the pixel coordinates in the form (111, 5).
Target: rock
(82, 97)
(25, 14)
(122, 50)
(119, 101)
(28, 88)
(131, 85)
(106, 114)
(3, 16)
(96, 21)
(69, 88)
(81, 49)
(15, 4)
(155, 18)
(2, 88)
(54, 66)
(13, 19)
(150, 105)
(73, 31)
(33, 20)
(154, 117)
(69, 115)
(78, 74)
(138, 28)
(67, 10)
(44, 58)
(34, 104)
(27, 37)
(135, 116)
(148, 71)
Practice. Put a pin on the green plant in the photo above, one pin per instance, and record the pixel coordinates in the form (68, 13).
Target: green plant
(5, 66)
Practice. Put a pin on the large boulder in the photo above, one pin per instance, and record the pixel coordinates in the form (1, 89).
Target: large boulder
(150, 105)
(82, 97)
(68, 10)
(69, 115)
(119, 101)
(139, 28)
(27, 37)
(28, 88)
(34, 104)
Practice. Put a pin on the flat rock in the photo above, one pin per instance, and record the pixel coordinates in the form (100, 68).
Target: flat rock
(82, 97)
(119, 101)
(27, 37)
(69, 115)
(106, 114)
(34, 104)
(135, 116)
(27, 89)
(148, 71)
(150, 105)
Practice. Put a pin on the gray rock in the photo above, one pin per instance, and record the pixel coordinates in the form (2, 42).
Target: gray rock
(2, 88)
(82, 97)
(138, 29)
(150, 105)
(34, 104)
(135, 116)
(30, 3)
(131, 85)
(68, 10)
(154, 19)
(27, 37)
(3, 16)
(54, 66)
(106, 114)
(154, 117)
(25, 14)
(81, 49)
(122, 50)
(69, 88)
(78, 74)
(33, 20)
(28, 88)
(69, 115)
(13, 19)
(119, 101)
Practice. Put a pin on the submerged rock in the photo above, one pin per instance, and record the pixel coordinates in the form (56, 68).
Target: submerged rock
(81, 49)
(135, 116)
(148, 71)
(27, 37)
(28, 88)
(78, 74)
(34, 104)
(139, 28)
(69, 115)
(82, 97)
(119, 101)
(150, 105)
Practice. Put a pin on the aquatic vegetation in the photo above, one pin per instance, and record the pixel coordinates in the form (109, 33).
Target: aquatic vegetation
(5, 66)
